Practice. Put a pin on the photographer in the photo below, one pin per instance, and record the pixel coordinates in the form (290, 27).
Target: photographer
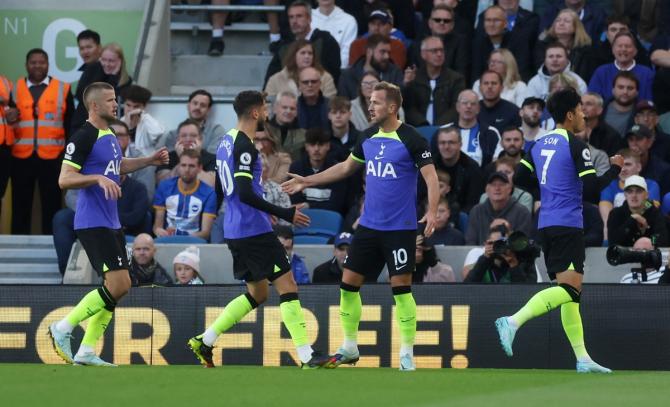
(636, 218)
(505, 259)
(429, 268)
(651, 275)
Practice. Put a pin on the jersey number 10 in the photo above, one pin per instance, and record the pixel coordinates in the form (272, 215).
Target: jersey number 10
(549, 154)
(225, 176)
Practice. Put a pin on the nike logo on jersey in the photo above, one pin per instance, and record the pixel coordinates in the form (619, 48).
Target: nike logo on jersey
(400, 267)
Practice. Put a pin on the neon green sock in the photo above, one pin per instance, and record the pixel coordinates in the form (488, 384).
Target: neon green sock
(87, 307)
(572, 325)
(232, 314)
(541, 303)
(406, 316)
(96, 327)
(350, 313)
(294, 319)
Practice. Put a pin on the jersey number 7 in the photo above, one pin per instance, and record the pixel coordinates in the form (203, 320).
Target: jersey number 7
(549, 154)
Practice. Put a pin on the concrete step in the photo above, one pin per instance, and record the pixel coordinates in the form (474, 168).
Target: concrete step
(28, 270)
(28, 255)
(229, 70)
(226, 93)
(41, 280)
(26, 241)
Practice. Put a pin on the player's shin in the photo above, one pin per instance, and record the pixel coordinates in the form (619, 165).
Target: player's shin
(350, 315)
(406, 318)
(294, 319)
(231, 315)
(543, 302)
(90, 305)
(572, 325)
(95, 329)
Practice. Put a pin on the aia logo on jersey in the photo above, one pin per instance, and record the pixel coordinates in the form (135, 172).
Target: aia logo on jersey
(113, 167)
(380, 169)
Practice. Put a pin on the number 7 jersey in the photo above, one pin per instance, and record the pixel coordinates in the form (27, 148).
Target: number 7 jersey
(237, 157)
(559, 160)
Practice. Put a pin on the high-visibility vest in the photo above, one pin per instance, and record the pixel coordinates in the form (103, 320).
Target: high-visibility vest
(40, 127)
(6, 131)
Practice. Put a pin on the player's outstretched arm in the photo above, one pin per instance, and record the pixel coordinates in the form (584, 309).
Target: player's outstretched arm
(71, 178)
(160, 157)
(247, 196)
(332, 174)
(430, 176)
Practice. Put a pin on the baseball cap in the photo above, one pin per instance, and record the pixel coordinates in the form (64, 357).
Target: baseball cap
(497, 175)
(343, 238)
(645, 105)
(635, 181)
(533, 99)
(639, 130)
(380, 15)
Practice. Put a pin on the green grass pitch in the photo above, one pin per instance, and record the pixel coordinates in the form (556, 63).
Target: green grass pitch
(125, 386)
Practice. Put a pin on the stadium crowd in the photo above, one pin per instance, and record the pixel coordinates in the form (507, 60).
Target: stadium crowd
(475, 77)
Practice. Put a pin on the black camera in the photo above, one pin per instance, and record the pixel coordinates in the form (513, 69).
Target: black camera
(518, 243)
(647, 258)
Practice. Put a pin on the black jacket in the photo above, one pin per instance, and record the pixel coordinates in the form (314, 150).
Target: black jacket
(457, 49)
(487, 271)
(417, 96)
(333, 197)
(623, 230)
(90, 73)
(152, 274)
(594, 18)
(467, 181)
(351, 78)
(501, 116)
(604, 137)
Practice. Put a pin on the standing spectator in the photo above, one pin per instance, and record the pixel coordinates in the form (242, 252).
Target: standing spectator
(530, 113)
(555, 61)
(495, 111)
(114, 65)
(344, 135)
(186, 267)
(591, 16)
(660, 57)
(312, 104)
(331, 271)
(342, 26)
(283, 126)
(91, 70)
(503, 62)
(600, 134)
(360, 116)
(183, 204)
(602, 51)
(299, 55)
(380, 22)
(430, 99)
(145, 131)
(620, 111)
(144, 268)
(298, 266)
(199, 106)
(624, 50)
(640, 140)
(45, 106)
(8, 115)
(377, 59)
(445, 234)
(646, 114)
(275, 163)
(217, 45)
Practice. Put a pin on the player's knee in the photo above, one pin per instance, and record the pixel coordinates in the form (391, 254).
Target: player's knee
(257, 298)
(572, 291)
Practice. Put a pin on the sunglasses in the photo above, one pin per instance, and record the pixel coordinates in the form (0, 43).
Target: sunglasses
(310, 81)
(443, 20)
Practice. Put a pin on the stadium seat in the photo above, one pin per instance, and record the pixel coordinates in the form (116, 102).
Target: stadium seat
(322, 222)
(665, 205)
(311, 239)
(427, 132)
(180, 239)
(463, 222)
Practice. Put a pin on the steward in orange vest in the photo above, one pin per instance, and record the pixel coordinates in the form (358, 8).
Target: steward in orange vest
(8, 115)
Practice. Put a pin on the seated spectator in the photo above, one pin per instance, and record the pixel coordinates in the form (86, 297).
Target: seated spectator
(620, 111)
(599, 158)
(531, 113)
(568, 30)
(199, 106)
(275, 163)
(285, 236)
(640, 139)
(341, 25)
(602, 50)
(660, 57)
(377, 59)
(144, 268)
(405, 18)
(147, 175)
(360, 116)
(273, 193)
(300, 55)
(467, 181)
(500, 225)
(344, 135)
(648, 18)
(113, 64)
(652, 275)
(380, 22)
(312, 104)
(187, 267)
(283, 126)
(591, 16)
(333, 197)
(499, 204)
(445, 234)
(217, 45)
(183, 204)
(514, 89)
(146, 132)
(624, 50)
(600, 134)
(511, 142)
(555, 61)
(506, 165)
(189, 137)
(594, 228)
(331, 271)
(494, 110)
(91, 70)
(647, 115)
(429, 268)
(637, 217)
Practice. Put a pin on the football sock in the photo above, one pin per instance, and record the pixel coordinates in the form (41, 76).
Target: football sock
(232, 314)
(406, 317)
(350, 315)
(572, 325)
(90, 305)
(275, 37)
(217, 33)
(96, 327)
(294, 319)
(541, 303)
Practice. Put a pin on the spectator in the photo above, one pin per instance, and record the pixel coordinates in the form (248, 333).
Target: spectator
(495, 111)
(620, 111)
(145, 131)
(45, 106)
(660, 57)
(555, 61)
(501, 267)
(326, 49)
(189, 137)
(331, 271)
(285, 236)
(653, 276)
(441, 24)
(646, 114)
(480, 142)
(217, 45)
(600, 134)
(445, 234)
(429, 268)
(187, 267)
(506, 166)
(334, 196)
(360, 116)
(344, 135)
(647, 17)
(183, 204)
(144, 268)
(511, 142)
(8, 115)
(273, 193)
(380, 22)
(299, 55)
(342, 26)
(466, 176)
(378, 60)
(283, 126)
(637, 217)
(568, 30)
(599, 158)
(430, 98)
(464, 14)
(275, 163)
(199, 106)
(624, 50)
(531, 112)
(147, 175)
(91, 70)
(591, 16)
(402, 9)
(499, 204)
(602, 51)
(312, 105)
(114, 65)
(502, 226)
(640, 139)
(514, 89)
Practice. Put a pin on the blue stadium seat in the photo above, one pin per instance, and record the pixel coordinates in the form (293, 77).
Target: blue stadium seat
(665, 205)
(427, 132)
(323, 222)
(463, 222)
(310, 239)
(180, 239)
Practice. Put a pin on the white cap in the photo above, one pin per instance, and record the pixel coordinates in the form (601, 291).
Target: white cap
(190, 257)
(635, 181)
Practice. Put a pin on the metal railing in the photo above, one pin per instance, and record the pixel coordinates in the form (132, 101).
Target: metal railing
(203, 7)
